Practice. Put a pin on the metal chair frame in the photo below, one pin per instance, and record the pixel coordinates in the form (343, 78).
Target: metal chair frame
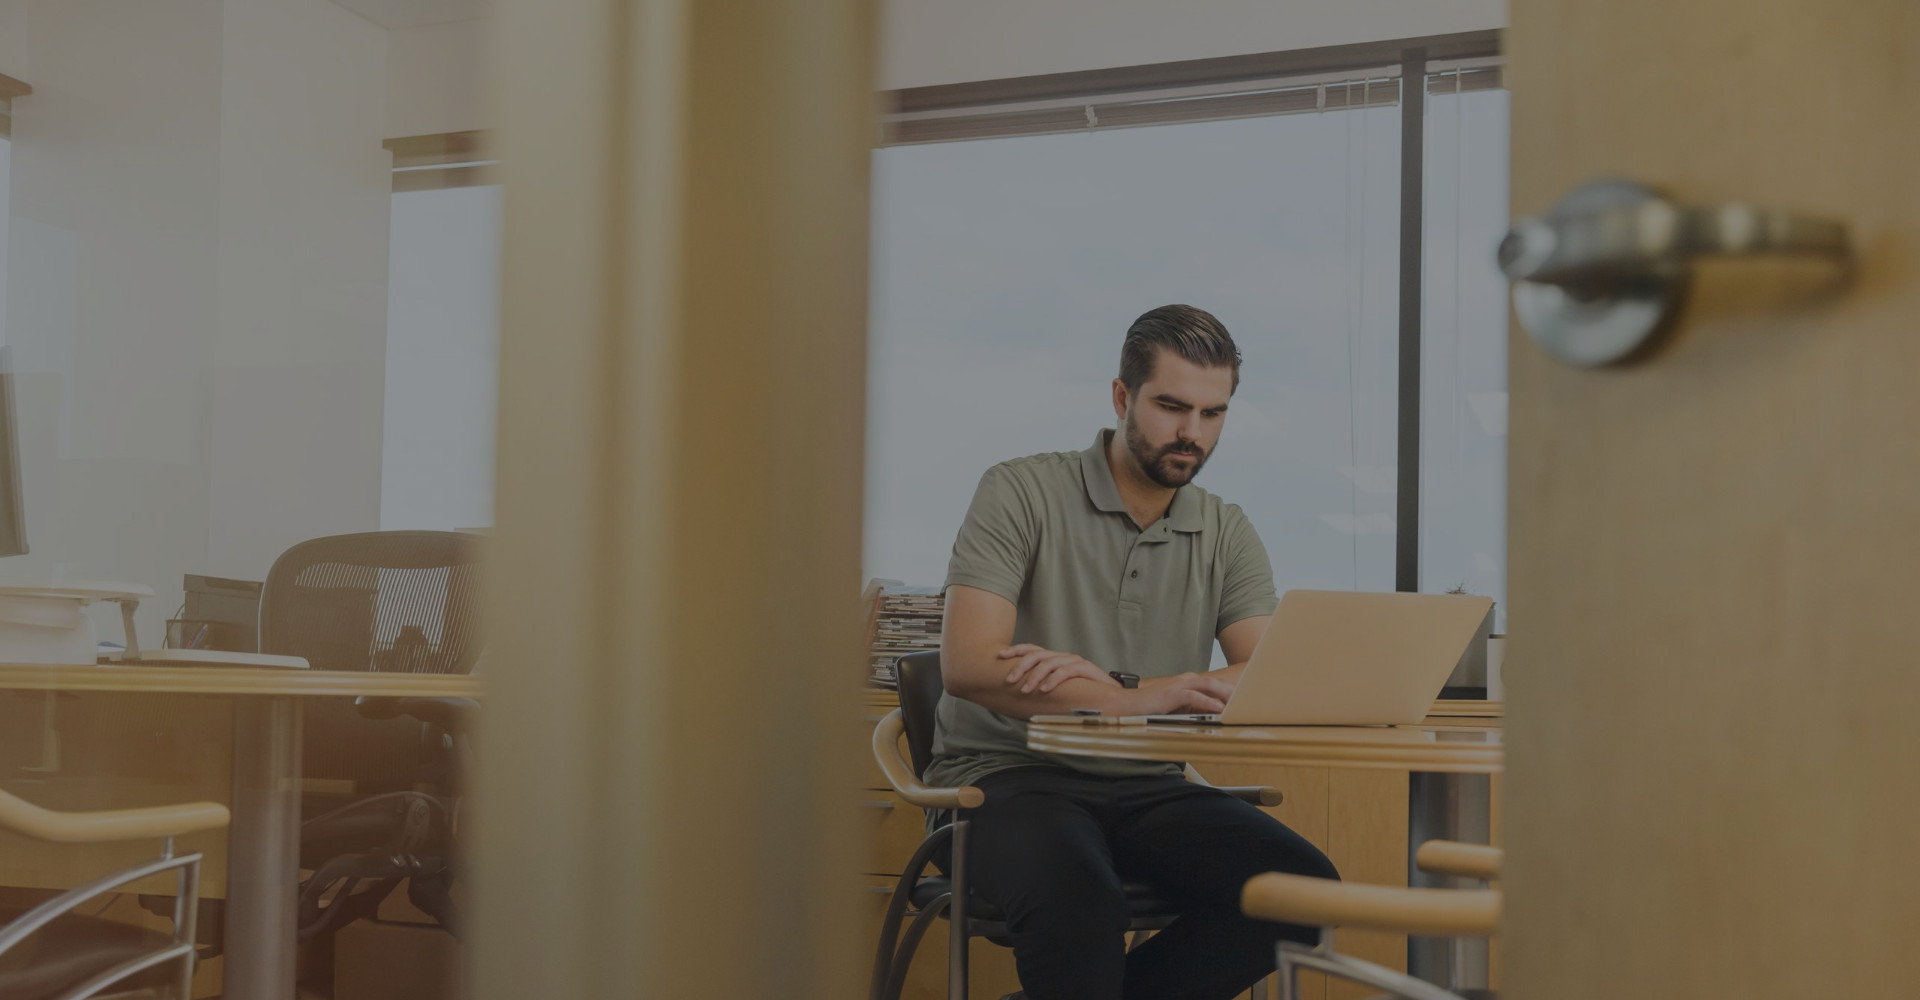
(1292, 956)
(185, 914)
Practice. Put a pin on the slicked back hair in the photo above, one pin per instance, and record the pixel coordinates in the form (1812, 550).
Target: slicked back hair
(1191, 333)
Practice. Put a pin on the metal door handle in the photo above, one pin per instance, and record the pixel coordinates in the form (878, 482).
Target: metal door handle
(1599, 277)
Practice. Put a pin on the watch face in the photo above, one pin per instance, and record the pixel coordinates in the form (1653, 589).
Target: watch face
(1126, 680)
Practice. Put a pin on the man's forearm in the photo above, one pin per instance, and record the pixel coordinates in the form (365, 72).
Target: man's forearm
(1074, 692)
(1231, 673)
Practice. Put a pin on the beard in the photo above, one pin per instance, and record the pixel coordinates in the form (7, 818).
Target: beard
(1158, 463)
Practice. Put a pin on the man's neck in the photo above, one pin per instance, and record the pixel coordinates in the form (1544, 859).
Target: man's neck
(1146, 500)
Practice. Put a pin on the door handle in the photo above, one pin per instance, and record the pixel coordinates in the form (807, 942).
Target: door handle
(1599, 278)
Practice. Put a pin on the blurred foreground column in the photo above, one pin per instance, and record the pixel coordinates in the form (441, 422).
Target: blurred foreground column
(665, 787)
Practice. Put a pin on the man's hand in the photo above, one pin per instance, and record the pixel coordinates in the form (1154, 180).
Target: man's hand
(1184, 693)
(1043, 669)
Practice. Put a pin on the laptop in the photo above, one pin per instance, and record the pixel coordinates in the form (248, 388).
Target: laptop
(1341, 658)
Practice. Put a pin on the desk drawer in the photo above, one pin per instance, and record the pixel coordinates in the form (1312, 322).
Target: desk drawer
(894, 830)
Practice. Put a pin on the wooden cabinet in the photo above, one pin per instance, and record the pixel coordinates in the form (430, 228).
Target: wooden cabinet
(1359, 818)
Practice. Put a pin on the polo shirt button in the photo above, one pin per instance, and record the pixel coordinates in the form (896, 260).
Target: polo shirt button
(1135, 573)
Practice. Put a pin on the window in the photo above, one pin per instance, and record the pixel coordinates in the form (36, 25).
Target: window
(1008, 264)
(1007, 270)
(443, 337)
(1463, 390)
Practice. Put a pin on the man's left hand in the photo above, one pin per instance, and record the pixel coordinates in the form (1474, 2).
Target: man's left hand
(1042, 670)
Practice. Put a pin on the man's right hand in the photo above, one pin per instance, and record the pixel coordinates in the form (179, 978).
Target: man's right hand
(1182, 694)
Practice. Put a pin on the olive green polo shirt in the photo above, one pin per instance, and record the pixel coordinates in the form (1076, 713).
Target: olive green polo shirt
(1050, 534)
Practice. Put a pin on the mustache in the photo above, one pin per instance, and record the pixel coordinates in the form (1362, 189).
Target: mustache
(1180, 449)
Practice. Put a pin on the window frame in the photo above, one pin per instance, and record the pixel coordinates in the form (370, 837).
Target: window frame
(1299, 81)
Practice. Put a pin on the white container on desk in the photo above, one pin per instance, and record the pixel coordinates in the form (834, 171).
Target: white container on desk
(44, 622)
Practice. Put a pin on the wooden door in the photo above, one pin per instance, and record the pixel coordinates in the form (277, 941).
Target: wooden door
(1715, 658)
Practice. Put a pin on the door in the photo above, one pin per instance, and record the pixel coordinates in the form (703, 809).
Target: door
(1713, 680)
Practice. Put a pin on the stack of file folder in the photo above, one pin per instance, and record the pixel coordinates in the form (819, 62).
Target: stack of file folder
(903, 619)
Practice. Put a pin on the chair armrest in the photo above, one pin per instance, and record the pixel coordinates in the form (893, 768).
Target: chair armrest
(25, 818)
(886, 753)
(1317, 902)
(1450, 857)
(1254, 795)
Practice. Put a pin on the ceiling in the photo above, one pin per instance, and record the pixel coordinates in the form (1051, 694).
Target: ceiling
(413, 13)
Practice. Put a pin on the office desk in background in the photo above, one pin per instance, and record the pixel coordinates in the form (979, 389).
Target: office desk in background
(250, 713)
(1365, 795)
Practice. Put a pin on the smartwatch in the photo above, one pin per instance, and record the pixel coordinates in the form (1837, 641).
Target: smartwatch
(1128, 681)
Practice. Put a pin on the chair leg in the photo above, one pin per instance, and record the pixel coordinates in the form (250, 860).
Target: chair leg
(957, 913)
(909, 943)
(888, 943)
(897, 903)
(186, 913)
(1289, 976)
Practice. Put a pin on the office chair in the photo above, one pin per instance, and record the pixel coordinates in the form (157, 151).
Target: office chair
(404, 601)
(919, 899)
(1327, 905)
(48, 951)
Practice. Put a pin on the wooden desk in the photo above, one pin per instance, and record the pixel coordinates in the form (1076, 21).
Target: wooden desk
(262, 871)
(1445, 747)
(1361, 794)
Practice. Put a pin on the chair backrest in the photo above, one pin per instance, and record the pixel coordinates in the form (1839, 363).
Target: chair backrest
(377, 600)
(920, 693)
(367, 601)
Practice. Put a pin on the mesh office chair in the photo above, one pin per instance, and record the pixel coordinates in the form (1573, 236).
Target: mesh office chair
(405, 601)
(49, 952)
(920, 899)
(1328, 905)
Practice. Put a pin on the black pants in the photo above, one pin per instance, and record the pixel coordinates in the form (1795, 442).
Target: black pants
(1051, 846)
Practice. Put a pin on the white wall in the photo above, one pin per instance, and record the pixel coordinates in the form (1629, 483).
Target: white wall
(6, 181)
(298, 359)
(197, 284)
(112, 285)
(926, 42)
(13, 39)
(436, 79)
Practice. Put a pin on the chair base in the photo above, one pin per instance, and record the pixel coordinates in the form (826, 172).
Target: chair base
(1292, 957)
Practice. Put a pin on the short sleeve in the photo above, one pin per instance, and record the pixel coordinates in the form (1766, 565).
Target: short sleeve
(1247, 588)
(996, 542)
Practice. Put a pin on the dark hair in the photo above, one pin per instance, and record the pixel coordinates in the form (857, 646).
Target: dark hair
(1191, 333)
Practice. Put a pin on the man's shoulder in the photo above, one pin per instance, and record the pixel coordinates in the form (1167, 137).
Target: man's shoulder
(1041, 471)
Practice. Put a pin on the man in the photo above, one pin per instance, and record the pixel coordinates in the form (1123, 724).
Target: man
(1100, 580)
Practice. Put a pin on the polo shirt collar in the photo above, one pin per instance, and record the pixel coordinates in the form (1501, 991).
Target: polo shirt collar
(1183, 515)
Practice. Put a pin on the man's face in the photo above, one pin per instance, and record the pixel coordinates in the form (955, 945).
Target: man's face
(1173, 422)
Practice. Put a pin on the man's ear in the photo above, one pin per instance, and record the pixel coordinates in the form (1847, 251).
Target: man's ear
(1119, 399)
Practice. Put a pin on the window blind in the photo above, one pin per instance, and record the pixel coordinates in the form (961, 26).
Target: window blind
(1164, 107)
